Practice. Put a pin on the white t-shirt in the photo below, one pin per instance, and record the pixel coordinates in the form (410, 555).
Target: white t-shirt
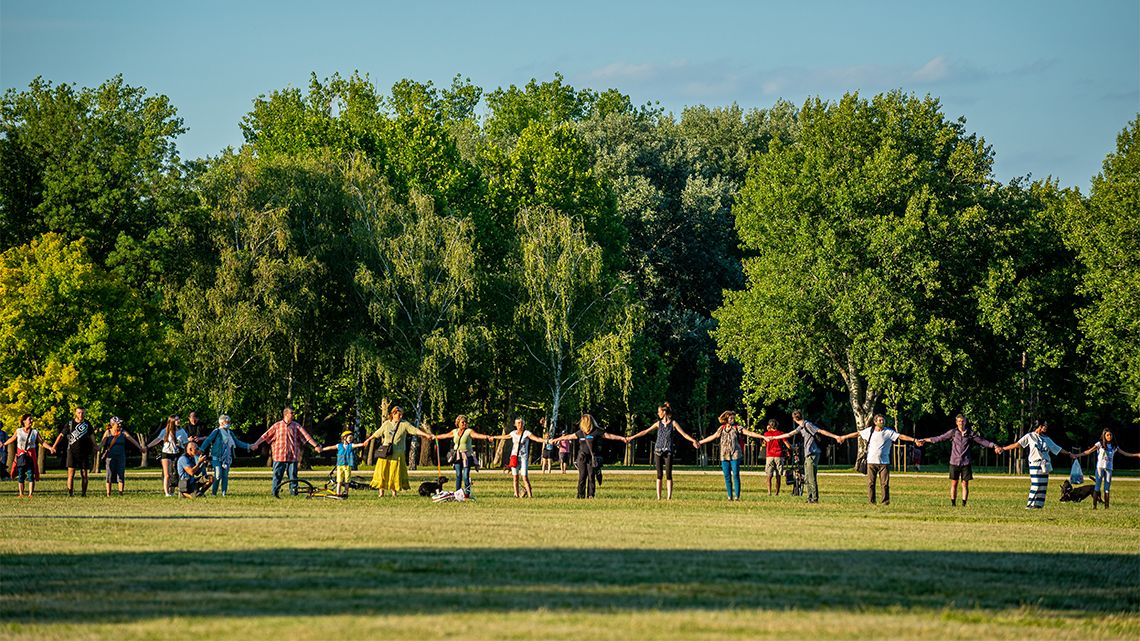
(1104, 456)
(879, 444)
(520, 444)
(181, 438)
(1038, 448)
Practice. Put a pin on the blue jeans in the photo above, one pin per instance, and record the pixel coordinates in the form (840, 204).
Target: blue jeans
(222, 477)
(463, 476)
(280, 468)
(731, 471)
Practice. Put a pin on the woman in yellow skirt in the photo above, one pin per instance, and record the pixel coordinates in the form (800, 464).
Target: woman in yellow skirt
(391, 468)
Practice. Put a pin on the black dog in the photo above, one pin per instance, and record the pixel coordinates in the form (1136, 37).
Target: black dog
(1079, 493)
(427, 488)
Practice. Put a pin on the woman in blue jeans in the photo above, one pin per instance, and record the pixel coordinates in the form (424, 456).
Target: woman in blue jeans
(464, 451)
(731, 451)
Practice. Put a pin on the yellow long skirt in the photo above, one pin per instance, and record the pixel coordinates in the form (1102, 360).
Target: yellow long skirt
(391, 474)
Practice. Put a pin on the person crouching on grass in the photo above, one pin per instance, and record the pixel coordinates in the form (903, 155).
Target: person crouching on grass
(345, 460)
(961, 459)
(879, 439)
(189, 464)
(1039, 446)
(113, 449)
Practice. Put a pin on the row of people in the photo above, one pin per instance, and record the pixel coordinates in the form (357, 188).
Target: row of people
(390, 474)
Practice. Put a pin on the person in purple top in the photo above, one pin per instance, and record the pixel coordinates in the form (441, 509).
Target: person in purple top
(961, 458)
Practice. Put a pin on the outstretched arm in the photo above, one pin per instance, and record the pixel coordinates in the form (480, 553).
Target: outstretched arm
(564, 437)
(747, 432)
(132, 441)
(708, 439)
(904, 437)
(614, 437)
(1093, 449)
(1133, 455)
(840, 439)
(682, 432)
(643, 432)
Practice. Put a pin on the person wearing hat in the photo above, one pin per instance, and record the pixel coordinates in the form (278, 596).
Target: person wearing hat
(113, 451)
(391, 473)
(345, 460)
(220, 444)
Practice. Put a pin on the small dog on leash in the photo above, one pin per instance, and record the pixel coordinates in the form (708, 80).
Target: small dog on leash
(427, 488)
(1070, 494)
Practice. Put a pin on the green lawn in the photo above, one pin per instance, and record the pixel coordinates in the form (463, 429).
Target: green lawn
(622, 566)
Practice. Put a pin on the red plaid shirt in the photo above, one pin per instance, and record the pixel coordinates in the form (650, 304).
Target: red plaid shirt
(285, 440)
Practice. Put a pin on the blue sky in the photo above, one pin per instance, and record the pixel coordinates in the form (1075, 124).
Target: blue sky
(1049, 84)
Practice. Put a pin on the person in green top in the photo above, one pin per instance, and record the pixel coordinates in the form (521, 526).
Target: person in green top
(463, 452)
(391, 467)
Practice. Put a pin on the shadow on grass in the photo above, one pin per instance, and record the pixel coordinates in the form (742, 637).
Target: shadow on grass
(115, 587)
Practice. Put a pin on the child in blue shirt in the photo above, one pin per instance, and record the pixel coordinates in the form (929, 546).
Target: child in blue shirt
(345, 460)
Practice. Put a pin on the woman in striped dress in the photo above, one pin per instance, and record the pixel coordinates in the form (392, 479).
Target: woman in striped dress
(1039, 447)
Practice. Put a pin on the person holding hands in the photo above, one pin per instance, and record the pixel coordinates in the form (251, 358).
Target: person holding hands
(663, 447)
(961, 437)
(879, 439)
(1106, 450)
(808, 431)
(1039, 447)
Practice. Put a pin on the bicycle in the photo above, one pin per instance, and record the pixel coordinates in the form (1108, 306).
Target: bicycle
(354, 482)
(307, 490)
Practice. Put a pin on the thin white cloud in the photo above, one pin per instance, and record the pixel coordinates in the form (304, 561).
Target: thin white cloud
(717, 79)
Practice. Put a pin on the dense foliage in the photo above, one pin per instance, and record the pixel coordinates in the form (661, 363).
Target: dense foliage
(560, 250)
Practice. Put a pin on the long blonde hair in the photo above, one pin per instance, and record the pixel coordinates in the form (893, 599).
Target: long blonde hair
(587, 424)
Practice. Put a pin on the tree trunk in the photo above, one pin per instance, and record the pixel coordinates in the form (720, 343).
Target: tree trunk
(627, 458)
(861, 396)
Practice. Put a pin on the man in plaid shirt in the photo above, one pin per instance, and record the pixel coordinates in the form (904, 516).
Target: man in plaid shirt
(284, 437)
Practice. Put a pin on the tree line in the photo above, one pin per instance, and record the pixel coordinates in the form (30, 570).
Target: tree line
(546, 250)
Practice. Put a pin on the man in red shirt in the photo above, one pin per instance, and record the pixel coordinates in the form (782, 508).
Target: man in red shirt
(284, 437)
(774, 464)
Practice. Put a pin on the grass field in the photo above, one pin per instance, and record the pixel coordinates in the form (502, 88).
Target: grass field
(622, 566)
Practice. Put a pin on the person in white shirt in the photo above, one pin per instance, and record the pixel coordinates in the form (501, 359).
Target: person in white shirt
(520, 455)
(1039, 447)
(879, 439)
(1107, 451)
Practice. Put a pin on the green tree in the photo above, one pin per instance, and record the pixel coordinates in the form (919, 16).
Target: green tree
(576, 322)
(73, 334)
(417, 278)
(862, 236)
(98, 164)
(269, 317)
(1104, 230)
